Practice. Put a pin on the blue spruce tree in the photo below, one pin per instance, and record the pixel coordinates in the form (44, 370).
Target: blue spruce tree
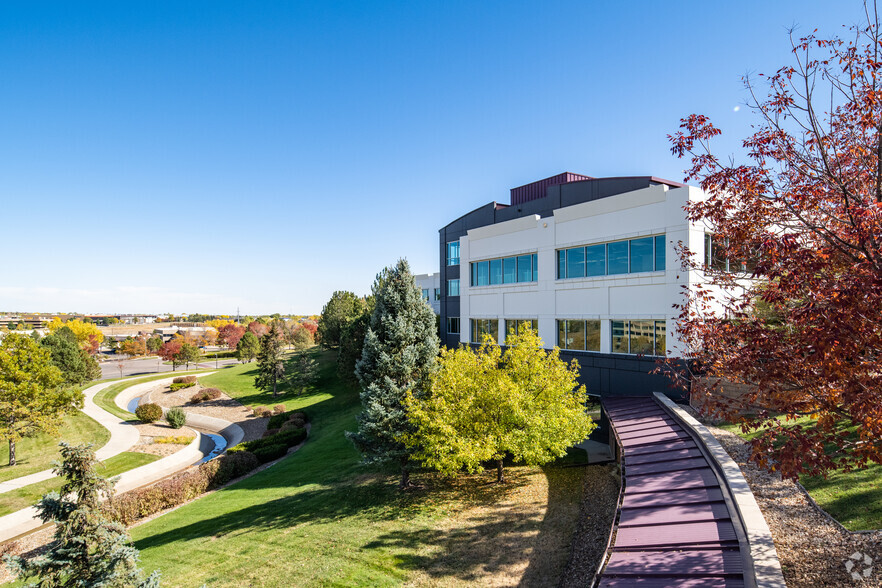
(89, 549)
(399, 356)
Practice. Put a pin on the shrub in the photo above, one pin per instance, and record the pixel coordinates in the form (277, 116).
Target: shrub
(180, 385)
(270, 432)
(205, 395)
(299, 415)
(258, 411)
(174, 440)
(297, 422)
(176, 417)
(184, 380)
(278, 409)
(276, 421)
(148, 413)
(129, 507)
(270, 452)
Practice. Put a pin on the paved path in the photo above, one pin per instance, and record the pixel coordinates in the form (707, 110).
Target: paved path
(122, 436)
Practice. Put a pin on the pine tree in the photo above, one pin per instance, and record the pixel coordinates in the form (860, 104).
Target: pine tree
(89, 549)
(398, 359)
(302, 372)
(270, 367)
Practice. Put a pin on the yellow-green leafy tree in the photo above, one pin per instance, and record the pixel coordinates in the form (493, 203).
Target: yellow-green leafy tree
(488, 403)
(88, 335)
(32, 396)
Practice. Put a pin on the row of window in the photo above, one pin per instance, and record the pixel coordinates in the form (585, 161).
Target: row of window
(505, 270)
(634, 337)
(618, 257)
(437, 294)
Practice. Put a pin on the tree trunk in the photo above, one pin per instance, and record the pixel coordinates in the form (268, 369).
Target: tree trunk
(274, 389)
(11, 452)
(405, 476)
(500, 476)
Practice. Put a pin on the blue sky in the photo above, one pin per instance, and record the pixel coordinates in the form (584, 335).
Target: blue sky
(203, 156)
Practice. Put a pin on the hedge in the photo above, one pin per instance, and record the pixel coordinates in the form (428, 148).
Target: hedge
(288, 438)
(277, 420)
(174, 387)
(134, 505)
(184, 380)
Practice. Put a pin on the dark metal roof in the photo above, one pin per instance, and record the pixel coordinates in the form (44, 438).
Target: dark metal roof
(676, 526)
(537, 189)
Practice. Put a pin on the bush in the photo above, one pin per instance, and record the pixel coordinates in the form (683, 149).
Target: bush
(258, 411)
(180, 385)
(270, 452)
(278, 419)
(174, 440)
(134, 505)
(148, 413)
(205, 395)
(270, 432)
(297, 422)
(299, 415)
(184, 380)
(176, 417)
(262, 447)
(278, 409)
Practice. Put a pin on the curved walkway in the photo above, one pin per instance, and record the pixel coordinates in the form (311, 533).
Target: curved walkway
(123, 436)
(684, 518)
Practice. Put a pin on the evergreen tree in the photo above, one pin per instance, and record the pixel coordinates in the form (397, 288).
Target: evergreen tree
(270, 367)
(351, 346)
(89, 549)
(302, 372)
(398, 359)
(248, 347)
(76, 365)
(340, 309)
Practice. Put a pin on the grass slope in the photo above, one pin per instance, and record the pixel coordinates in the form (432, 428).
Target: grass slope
(28, 495)
(318, 518)
(36, 454)
(854, 498)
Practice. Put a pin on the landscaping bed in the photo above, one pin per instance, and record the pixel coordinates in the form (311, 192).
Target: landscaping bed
(223, 407)
(812, 549)
(154, 439)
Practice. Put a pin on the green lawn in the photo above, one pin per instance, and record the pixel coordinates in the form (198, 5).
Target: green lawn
(238, 382)
(28, 495)
(854, 499)
(105, 398)
(36, 454)
(318, 518)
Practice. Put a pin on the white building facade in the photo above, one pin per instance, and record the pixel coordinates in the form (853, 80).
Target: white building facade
(590, 263)
(430, 288)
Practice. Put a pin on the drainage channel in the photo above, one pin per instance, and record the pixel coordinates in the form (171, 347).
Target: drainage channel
(218, 442)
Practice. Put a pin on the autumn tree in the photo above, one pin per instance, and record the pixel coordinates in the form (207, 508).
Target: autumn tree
(339, 310)
(89, 336)
(170, 351)
(487, 404)
(89, 549)
(793, 305)
(258, 328)
(32, 396)
(133, 346)
(248, 347)
(270, 366)
(302, 338)
(230, 334)
(397, 362)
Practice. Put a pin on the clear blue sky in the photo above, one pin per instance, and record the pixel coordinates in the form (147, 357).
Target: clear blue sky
(199, 156)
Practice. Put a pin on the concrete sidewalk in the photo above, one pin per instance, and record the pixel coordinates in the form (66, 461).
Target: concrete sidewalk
(122, 437)
(25, 520)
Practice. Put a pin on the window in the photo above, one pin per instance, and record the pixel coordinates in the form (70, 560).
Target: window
(426, 294)
(453, 253)
(453, 325)
(645, 254)
(437, 294)
(505, 270)
(640, 337)
(578, 335)
(617, 257)
(481, 327)
(453, 287)
(512, 326)
(715, 253)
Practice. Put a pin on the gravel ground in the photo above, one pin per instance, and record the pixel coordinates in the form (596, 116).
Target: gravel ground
(152, 431)
(812, 549)
(600, 496)
(223, 408)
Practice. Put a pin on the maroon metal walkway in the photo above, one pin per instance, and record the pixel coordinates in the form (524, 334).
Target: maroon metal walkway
(675, 526)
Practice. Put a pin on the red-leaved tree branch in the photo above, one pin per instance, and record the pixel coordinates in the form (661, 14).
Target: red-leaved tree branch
(792, 304)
